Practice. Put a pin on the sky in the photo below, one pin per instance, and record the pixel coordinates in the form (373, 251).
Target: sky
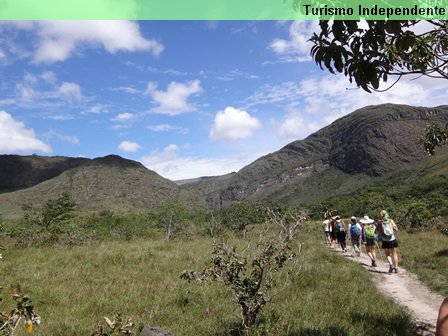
(184, 98)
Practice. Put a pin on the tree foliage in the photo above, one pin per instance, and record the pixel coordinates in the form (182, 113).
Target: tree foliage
(370, 52)
(250, 280)
(434, 136)
(252, 274)
(173, 218)
(241, 214)
(53, 212)
(419, 205)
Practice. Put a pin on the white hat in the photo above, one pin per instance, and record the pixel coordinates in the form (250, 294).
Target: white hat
(353, 218)
(366, 220)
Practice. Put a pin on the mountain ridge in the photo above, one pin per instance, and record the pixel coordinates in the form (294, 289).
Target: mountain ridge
(367, 145)
(109, 182)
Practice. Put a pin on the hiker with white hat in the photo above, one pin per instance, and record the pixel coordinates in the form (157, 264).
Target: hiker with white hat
(355, 233)
(369, 235)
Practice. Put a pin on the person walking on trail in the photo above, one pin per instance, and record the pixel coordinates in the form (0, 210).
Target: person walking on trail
(369, 230)
(341, 233)
(333, 232)
(355, 233)
(327, 231)
(389, 241)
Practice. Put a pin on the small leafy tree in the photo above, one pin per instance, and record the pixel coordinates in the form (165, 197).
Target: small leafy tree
(52, 213)
(241, 214)
(289, 222)
(173, 218)
(250, 278)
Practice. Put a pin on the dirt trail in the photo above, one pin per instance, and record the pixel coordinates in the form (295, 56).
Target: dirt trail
(405, 289)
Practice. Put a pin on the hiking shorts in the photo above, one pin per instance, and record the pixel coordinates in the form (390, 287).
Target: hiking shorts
(370, 241)
(389, 244)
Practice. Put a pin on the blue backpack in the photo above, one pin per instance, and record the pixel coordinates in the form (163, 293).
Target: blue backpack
(355, 231)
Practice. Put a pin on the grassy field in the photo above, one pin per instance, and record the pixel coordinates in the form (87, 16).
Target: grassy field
(74, 287)
(426, 254)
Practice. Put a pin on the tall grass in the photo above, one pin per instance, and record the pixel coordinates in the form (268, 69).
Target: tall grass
(426, 254)
(74, 287)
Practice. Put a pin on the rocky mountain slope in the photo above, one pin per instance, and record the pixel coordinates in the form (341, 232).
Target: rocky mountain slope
(370, 143)
(110, 183)
(20, 172)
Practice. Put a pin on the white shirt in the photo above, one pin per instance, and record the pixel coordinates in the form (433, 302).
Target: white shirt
(327, 226)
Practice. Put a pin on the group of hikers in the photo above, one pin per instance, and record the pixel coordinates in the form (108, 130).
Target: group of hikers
(366, 231)
(370, 232)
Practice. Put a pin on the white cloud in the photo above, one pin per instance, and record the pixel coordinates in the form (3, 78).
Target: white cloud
(168, 127)
(233, 74)
(297, 47)
(58, 40)
(26, 94)
(60, 117)
(172, 164)
(49, 77)
(173, 101)
(124, 117)
(313, 103)
(233, 124)
(295, 125)
(97, 109)
(52, 134)
(126, 89)
(331, 98)
(70, 92)
(129, 146)
(16, 138)
(44, 92)
(271, 94)
(291, 126)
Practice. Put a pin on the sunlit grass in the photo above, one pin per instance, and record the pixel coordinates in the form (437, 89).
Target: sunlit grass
(74, 287)
(426, 254)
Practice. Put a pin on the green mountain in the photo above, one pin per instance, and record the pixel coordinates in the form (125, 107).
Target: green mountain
(368, 145)
(372, 144)
(20, 172)
(110, 183)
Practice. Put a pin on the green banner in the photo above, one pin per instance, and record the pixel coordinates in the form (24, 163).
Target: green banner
(222, 9)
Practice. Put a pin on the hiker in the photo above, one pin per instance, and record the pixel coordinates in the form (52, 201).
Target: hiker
(442, 320)
(369, 233)
(327, 231)
(341, 233)
(355, 232)
(389, 241)
(333, 233)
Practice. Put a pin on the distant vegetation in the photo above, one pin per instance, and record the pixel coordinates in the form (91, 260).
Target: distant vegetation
(416, 206)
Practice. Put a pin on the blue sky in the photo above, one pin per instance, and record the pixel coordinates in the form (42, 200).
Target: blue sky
(185, 98)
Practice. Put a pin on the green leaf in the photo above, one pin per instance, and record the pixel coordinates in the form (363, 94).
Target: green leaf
(393, 27)
(338, 30)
